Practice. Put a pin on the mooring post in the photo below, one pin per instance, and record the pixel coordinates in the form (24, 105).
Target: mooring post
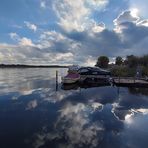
(118, 91)
(56, 80)
(119, 79)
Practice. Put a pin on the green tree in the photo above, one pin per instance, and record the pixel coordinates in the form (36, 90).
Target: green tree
(132, 61)
(119, 60)
(143, 60)
(102, 62)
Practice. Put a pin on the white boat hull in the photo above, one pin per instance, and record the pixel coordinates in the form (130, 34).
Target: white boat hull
(69, 81)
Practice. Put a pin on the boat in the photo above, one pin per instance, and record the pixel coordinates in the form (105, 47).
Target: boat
(73, 76)
(76, 73)
(70, 86)
(85, 85)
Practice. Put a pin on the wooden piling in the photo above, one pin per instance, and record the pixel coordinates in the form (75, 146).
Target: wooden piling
(56, 80)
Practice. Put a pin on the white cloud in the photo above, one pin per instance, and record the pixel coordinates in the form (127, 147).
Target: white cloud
(77, 129)
(75, 15)
(25, 42)
(43, 4)
(22, 41)
(82, 40)
(143, 23)
(31, 26)
(52, 35)
(14, 36)
(97, 4)
(61, 56)
(17, 26)
(134, 12)
(32, 104)
(9, 54)
(141, 6)
(98, 27)
(132, 31)
(71, 14)
(126, 16)
(91, 61)
(25, 53)
(56, 42)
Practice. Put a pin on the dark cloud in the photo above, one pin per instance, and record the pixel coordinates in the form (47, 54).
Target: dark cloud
(133, 33)
(106, 42)
(126, 16)
(134, 38)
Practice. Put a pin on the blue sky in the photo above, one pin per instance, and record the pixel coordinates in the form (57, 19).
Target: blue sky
(71, 31)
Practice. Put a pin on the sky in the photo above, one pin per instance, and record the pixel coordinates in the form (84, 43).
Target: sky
(65, 32)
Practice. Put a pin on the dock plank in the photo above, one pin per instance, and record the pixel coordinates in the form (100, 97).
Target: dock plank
(130, 82)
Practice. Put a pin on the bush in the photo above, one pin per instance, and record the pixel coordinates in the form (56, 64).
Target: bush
(123, 71)
(145, 71)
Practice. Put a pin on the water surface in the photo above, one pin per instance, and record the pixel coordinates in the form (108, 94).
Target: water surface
(36, 113)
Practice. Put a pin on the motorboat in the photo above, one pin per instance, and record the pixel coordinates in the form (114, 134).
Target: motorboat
(73, 69)
(76, 73)
(71, 78)
(85, 85)
(70, 86)
(93, 71)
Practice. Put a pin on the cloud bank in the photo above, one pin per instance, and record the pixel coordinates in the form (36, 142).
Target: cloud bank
(79, 38)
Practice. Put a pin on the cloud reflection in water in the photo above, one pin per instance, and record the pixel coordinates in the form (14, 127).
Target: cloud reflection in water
(74, 126)
(86, 117)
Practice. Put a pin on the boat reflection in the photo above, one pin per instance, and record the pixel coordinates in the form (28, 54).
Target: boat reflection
(84, 85)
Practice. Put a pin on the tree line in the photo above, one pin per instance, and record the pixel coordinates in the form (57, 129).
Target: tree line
(125, 66)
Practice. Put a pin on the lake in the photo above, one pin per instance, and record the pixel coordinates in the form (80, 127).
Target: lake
(37, 113)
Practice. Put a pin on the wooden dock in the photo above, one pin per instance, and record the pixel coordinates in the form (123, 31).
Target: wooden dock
(130, 82)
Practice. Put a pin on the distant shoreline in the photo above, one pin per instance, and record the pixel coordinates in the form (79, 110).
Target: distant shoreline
(30, 66)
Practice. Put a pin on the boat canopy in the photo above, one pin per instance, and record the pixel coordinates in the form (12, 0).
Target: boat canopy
(74, 68)
(93, 71)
